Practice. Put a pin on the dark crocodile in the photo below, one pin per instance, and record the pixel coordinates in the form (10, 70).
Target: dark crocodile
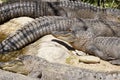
(36, 8)
(49, 24)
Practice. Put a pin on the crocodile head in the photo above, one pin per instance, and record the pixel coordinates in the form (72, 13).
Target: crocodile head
(16, 66)
(24, 64)
(78, 38)
(69, 35)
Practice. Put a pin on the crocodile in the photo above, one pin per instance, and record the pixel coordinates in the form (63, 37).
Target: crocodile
(103, 27)
(37, 8)
(37, 66)
(107, 48)
(34, 30)
(41, 26)
(5, 75)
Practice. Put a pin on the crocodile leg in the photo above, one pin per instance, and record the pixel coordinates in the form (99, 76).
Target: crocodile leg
(115, 62)
(91, 49)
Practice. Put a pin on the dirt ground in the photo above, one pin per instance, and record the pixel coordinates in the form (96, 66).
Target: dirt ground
(103, 66)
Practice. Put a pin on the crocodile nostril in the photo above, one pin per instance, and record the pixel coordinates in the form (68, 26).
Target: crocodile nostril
(40, 75)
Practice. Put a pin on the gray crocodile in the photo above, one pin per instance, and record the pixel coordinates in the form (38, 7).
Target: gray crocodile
(5, 75)
(103, 27)
(35, 30)
(16, 8)
(49, 24)
(107, 48)
(40, 68)
(37, 8)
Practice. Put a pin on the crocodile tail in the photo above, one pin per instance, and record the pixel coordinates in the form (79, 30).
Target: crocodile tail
(33, 31)
(30, 8)
(9, 10)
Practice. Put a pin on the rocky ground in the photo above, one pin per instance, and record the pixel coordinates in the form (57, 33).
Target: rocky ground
(59, 60)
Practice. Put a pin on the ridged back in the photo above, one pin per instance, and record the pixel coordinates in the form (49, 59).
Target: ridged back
(30, 8)
(37, 8)
(86, 10)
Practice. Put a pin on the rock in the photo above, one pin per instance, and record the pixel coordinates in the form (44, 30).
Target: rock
(102, 66)
(89, 59)
(86, 59)
(55, 52)
(51, 51)
(12, 25)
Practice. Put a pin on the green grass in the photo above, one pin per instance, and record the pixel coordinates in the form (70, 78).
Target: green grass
(107, 3)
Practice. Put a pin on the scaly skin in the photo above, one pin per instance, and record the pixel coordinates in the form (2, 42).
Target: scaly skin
(103, 27)
(49, 24)
(35, 30)
(5, 75)
(37, 66)
(107, 48)
(36, 8)
(28, 8)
